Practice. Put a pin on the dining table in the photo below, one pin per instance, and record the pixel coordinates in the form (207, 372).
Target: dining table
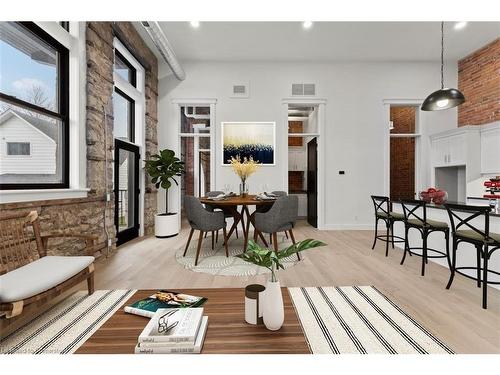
(232, 203)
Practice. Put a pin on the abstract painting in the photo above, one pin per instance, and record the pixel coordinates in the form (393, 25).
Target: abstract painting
(248, 139)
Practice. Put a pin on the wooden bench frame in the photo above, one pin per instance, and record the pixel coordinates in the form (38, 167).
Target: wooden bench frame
(15, 252)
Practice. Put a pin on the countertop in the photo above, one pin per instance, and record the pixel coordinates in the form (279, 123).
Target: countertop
(471, 202)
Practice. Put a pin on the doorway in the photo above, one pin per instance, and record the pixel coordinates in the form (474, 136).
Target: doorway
(403, 133)
(126, 191)
(303, 159)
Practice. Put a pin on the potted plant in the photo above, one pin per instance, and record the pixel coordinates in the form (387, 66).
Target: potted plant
(162, 168)
(273, 312)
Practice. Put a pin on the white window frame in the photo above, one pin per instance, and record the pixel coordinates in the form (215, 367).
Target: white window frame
(74, 41)
(138, 95)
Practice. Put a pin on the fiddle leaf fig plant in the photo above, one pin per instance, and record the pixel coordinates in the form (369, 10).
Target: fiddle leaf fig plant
(163, 168)
(272, 260)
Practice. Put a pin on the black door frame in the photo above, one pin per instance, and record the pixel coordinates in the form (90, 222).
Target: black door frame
(312, 183)
(131, 232)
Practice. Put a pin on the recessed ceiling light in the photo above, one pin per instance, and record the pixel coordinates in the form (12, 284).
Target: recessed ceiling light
(460, 25)
(307, 24)
(195, 24)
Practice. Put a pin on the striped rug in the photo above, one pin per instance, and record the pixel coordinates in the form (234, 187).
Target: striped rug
(66, 326)
(360, 320)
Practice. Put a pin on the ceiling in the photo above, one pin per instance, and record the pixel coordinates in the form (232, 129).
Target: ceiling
(325, 41)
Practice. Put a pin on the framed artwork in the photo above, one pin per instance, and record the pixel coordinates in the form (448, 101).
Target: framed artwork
(249, 139)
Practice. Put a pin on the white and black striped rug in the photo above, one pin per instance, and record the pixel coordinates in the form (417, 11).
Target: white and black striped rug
(66, 326)
(360, 320)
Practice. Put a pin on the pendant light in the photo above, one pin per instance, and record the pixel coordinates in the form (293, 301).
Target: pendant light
(444, 98)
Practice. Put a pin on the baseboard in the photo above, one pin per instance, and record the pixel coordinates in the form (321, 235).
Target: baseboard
(347, 227)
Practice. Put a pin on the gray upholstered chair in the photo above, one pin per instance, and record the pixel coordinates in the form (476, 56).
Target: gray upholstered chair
(279, 193)
(281, 217)
(204, 221)
(211, 208)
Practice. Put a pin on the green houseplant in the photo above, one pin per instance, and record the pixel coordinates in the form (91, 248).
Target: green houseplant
(163, 168)
(273, 311)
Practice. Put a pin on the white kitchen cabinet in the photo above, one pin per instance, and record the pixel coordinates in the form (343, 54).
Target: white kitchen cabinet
(490, 149)
(453, 148)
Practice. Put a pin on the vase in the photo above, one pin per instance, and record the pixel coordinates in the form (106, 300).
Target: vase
(273, 311)
(243, 189)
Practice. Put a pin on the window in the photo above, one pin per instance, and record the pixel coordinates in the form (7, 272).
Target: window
(18, 148)
(124, 69)
(34, 98)
(123, 111)
(64, 25)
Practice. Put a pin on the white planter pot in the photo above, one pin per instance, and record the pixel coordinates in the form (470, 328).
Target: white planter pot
(167, 225)
(273, 311)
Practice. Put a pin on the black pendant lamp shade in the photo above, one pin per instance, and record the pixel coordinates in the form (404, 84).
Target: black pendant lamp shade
(444, 98)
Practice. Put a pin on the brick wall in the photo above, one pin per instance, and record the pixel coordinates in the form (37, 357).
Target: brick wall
(479, 81)
(86, 215)
(402, 157)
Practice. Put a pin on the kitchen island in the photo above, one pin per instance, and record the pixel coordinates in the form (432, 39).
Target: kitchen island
(466, 253)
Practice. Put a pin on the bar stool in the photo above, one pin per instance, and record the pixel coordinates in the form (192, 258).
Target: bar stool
(425, 227)
(383, 212)
(484, 241)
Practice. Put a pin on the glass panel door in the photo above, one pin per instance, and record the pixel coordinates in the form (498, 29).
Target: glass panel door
(126, 191)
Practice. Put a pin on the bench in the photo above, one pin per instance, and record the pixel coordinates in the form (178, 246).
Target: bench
(27, 275)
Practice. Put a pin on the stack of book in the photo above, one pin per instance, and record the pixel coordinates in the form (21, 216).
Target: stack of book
(174, 331)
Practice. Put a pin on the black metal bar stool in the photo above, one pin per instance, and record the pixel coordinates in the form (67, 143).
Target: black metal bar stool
(484, 241)
(383, 212)
(411, 209)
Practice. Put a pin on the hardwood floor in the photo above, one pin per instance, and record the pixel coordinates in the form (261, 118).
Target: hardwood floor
(454, 315)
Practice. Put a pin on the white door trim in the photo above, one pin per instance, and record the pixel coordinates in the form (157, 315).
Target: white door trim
(320, 104)
(387, 137)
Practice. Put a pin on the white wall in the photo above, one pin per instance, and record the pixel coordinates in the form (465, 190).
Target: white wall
(42, 158)
(354, 129)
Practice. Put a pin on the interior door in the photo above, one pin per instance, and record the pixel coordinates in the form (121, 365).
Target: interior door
(312, 182)
(126, 191)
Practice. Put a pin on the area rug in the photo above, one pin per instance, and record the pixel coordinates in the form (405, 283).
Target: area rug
(66, 326)
(215, 262)
(360, 320)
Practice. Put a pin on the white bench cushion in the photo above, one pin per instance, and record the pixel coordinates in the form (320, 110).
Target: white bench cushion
(41, 275)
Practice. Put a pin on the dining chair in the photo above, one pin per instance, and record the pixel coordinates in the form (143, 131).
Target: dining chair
(278, 193)
(281, 217)
(204, 221)
(415, 216)
(383, 212)
(464, 221)
(212, 208)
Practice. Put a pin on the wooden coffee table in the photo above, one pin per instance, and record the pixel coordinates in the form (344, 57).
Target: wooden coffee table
(227, 333)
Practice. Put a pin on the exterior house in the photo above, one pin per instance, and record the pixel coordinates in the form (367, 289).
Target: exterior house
(27, 145)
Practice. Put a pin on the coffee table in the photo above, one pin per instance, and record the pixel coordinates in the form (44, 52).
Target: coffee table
(227, 333)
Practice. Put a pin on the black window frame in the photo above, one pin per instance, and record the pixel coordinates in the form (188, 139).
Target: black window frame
(133, 77)
(131, 122)
(61, 115)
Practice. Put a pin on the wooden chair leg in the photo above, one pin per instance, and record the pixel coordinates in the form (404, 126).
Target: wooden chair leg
(286, 235)
(237, 233)
(213, 240)
(217, 237)
(225, 241)
(189, 240)
(275, 241)
(293, 241)
(200, 240)
(90, 283)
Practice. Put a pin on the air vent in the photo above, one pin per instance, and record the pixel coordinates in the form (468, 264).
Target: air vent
(240, 90)
(303, 89)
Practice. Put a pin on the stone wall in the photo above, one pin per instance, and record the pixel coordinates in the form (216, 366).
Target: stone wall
(479, 81)
(86, 215)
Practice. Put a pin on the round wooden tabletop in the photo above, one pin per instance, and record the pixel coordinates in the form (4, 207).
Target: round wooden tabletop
(249, 200)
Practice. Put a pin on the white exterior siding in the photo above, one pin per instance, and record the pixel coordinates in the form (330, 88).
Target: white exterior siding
(42, 158)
